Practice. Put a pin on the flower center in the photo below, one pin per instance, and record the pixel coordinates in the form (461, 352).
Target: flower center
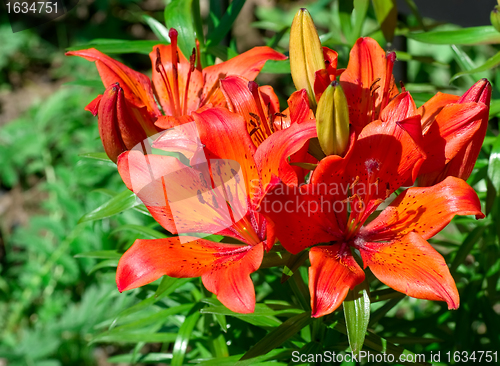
(178, 107)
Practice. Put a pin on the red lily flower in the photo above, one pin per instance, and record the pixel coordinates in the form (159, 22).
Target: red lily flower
(344, 192)
(260, 107)
(367, 82)
(179, 86)
(215, 195)
(453, 132)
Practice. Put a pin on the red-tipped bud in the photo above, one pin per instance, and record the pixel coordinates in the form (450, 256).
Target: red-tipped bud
(480, 92)
(119, 123)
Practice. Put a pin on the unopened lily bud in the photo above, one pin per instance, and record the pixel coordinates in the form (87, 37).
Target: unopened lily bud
(306, 54)
(495, 17)
(119, 123)
(332, 120)
(480, 92)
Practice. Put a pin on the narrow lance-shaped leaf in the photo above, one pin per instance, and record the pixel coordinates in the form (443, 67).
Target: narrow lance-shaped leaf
(225, 23)
(357, 315)
(386, 12)
(178, 15)
(489, 64)
(279, 335)
(119, 203)
(466, 36)
(158, 29)
(494, 165)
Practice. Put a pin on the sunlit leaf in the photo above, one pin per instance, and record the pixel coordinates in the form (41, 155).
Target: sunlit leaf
(386, 12)
(158, 29)
(119, 203)
(489, 64)
(184, 335)
(357, 315)
(178, 15)
(494, 165)
(466, 36)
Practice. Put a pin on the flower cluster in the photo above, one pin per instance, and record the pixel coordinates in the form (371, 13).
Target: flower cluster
(326, 174)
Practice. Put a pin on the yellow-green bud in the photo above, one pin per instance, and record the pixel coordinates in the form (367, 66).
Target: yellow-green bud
(495, 17)
(306, 54)
(332, 120)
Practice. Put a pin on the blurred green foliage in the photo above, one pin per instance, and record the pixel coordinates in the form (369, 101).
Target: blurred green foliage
(58, 301)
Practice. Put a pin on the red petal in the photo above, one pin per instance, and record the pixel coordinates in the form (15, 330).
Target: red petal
(385, 152)
(225, 136)
(332, 273)
(425, 211)
(247, 65)
(454, 127)
(169, 103)
(367, 63)
(252, 107)
(180, 198)
(272, 155)
(301, 215)
(229, 278)
(433, 106)
(137, 87)
(225, 268)
(412, 266)
(93, 107)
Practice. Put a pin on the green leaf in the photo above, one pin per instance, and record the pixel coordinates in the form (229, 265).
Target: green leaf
(489, 64)
(357, 315)
(166, 287)
(97, 84)
(277, 67)
(225, 23)
(184, 335)
(145, 232)
(472, 239)
(466, 36)
(345, 11)
(158, 29)
(134, 337)
(278, 336)
(386, 12)
(178, 15)
(494, 165)
(105, 264)
(151, 357)
(97, 155)
(101, 254)
(119, 203)
(110, 46)
(358, 15)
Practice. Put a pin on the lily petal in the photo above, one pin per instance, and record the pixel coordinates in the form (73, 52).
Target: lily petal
(225, 268)
(301, 215)
(251, 106)
(137, 87)
(180, 198)
(412, 266)
(272, 155)
(229, 277)
(425, 211)
(367, 66)
(452, 129)
(332, 273)
(247, 65)
(433, 106)
(189, 80)
(225, 136)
